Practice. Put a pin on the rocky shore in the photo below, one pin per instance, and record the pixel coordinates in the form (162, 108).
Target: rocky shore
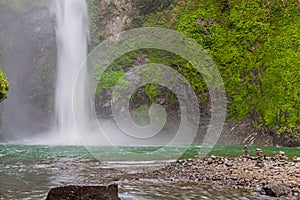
(273, 176)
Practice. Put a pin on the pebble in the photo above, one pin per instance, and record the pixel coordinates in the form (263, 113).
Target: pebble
(239, 172)
(229, 164)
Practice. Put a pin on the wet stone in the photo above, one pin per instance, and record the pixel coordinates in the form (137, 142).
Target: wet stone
(270, 176)
(87, 192)
(229, 164)
(209, 161)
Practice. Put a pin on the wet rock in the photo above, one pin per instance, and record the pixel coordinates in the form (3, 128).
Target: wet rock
(246, 154)
(200, 22)
(278, 177)
(276, 190)
(295, 192)
(253, 158)
(213, 157)
(281, 156)
(86, 192)
(221, 161)
(296, 159)
(209, 161)
(229, 164)
(260, 158)
(260, 164)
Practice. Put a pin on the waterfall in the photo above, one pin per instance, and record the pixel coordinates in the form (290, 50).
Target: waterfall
(71, 92)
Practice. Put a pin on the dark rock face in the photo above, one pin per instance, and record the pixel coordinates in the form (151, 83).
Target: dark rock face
(276, 190)
(286, 139)
(292, 143)
(87, 192)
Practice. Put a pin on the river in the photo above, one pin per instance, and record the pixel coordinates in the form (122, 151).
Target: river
(29, 172)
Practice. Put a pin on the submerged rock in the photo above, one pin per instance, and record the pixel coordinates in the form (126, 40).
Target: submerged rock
(86, 192)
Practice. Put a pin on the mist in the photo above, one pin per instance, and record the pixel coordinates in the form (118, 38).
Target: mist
(27, 43)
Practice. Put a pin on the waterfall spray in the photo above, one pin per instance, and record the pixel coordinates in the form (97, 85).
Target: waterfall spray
(72, 35)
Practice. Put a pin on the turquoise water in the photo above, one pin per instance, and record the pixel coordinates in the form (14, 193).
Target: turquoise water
(29, 172)
(20, 152)
(233, 151)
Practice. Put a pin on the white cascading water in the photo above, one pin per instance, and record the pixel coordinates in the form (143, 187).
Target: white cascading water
(72, 35)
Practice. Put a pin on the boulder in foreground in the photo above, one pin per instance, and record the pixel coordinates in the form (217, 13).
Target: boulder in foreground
(87, 192)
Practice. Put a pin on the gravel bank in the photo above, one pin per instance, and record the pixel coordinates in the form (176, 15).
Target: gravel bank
(273, 176)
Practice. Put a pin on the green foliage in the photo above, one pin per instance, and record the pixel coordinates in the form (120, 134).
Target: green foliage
(109, 80)
(181, 65)
(255, 46)
(152, 91)
(253, 43)
(149, 12)
(116, 72)
(4, 86)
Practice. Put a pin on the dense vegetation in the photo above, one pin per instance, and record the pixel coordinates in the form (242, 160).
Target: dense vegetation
(254, 45)
(4, 85)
